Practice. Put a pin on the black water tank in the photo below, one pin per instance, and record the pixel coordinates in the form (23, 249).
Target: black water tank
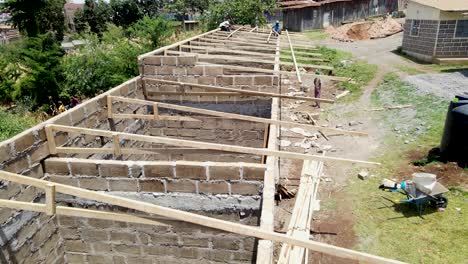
(454, 145)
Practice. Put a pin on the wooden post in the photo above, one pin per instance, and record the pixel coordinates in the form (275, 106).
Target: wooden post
(116, 142)
(51, 140)
(143, 84)
(234, 32)
(294, 59)
(50, 198)
(155, 111)
(109, 106)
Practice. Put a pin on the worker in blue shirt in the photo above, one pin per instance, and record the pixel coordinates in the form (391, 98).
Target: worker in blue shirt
(276, 28)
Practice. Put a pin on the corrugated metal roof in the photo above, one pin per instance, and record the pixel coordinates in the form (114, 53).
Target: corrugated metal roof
(313, 4)
(445, 5)
(289, 3)
(73, 6)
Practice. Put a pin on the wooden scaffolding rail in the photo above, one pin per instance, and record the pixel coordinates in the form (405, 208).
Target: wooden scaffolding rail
(177, 44)
(236, 90)
(175, 214)
(208, 50)
(301, 217)
(117, 136)
(242, 59)
(298, 74)
(253, 69)
(215, 113)
(232, 33)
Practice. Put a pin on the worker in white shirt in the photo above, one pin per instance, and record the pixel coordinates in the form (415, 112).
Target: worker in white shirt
(225, 26)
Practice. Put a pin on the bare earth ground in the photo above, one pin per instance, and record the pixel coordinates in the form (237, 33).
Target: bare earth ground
(335, 221)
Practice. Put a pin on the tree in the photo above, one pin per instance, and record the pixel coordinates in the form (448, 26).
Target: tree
(125, 12)
(151, 7)
(95, 15)
(38, 16)
(33, 70)
(51, 18)
(156, 30)
(186, 7)
(242, 12)
(9, 73)
(24, 15)
(100, 64)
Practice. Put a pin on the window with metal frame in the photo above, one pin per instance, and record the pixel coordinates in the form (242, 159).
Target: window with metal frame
(415, 25)
(461, 29)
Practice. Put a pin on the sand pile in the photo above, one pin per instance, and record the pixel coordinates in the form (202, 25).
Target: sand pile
(365, 30)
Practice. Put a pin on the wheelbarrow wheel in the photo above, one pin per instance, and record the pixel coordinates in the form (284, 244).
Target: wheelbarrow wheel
(439, 201)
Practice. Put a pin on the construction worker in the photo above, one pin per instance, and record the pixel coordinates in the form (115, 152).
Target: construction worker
(61, 108)
(276, 28)
(225, 26)
(317, 90)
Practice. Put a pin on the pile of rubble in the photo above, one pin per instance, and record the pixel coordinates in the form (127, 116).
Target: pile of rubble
(365, 30)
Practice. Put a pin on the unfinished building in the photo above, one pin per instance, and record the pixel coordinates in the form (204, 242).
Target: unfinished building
(177, 165)
(309, 15)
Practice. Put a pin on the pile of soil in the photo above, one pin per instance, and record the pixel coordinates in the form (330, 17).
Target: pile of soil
(365, 30)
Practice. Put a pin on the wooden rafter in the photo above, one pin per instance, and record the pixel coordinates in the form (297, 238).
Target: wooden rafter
(241, 52)
(243, 59)
(240, 91)
(193, 218)
(254, 69)
(183, 143)
(294, 59)
(232, 33)
(235, 116)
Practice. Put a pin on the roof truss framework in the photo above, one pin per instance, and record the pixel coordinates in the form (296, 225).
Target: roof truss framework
(241, 43)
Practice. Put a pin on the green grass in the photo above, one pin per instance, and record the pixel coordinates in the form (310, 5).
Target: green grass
(360, 71)
(397, 231)
(409, 70)
(447, 67)
(316, 34)
(12, 124)
(429, 109)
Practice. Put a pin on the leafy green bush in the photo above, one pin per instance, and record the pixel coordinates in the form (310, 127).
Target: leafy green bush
(94, 16)
(100, 65)
(155, 30)
(241, 12)
(31, 69)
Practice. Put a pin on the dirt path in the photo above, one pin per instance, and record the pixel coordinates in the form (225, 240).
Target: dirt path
(334, 223)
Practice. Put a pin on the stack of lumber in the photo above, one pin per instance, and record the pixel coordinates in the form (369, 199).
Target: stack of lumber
(306, 203)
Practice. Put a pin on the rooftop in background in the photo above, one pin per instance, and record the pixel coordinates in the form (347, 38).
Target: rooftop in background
(445, 5)
(304, 4)
(73, 6)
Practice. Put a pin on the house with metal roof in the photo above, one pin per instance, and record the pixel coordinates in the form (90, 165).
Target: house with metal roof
(309, 15)
(436, 30)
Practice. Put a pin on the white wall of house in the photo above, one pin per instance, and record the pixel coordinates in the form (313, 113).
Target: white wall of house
(422, 12)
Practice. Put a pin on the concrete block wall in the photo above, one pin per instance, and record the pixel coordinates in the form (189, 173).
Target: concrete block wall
(420, 46)
(31, 238)
(157, 177)
(212, 129)
(436, 39)
(22, 233)
(101, 241)
(447, 45)
(186, 69)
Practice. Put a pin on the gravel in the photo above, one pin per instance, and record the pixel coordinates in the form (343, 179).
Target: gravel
(445, 85)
